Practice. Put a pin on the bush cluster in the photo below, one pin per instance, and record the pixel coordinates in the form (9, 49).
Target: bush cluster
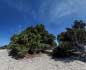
(32, 40)
(36, 39)
(71, 41)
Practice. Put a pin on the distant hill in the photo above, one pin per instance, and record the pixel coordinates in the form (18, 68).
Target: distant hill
(3, 47)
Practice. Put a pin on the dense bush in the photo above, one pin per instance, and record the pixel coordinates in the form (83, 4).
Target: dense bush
(32, 40)
(72, 40)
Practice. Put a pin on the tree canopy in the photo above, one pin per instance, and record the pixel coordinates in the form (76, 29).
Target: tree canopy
(32, 40)
(72, 40)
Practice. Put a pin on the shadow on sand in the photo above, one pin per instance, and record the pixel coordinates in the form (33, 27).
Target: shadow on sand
(68, 59)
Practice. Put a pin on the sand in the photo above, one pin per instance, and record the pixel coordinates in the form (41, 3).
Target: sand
(44, 62)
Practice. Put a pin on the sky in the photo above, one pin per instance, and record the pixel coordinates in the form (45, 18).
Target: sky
(56, 15)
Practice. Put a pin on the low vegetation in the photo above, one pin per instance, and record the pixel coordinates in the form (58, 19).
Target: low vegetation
(3, 47)
(72, 41)
(36, 39)
(30, 41)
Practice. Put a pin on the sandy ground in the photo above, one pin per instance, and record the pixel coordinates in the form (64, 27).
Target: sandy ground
(43, 62)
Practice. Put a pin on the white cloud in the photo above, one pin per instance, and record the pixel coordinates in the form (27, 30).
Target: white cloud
(49, 10)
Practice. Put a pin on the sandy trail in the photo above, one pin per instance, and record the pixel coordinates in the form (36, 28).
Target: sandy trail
(38, 63)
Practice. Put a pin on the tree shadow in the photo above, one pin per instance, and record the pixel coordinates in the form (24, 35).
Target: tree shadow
(68, 59)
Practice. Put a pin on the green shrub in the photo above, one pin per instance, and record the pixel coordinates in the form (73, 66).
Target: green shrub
(32, 40)
(72, 40)
(63, 50)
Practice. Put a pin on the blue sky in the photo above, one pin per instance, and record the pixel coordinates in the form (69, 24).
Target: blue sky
(56, 15)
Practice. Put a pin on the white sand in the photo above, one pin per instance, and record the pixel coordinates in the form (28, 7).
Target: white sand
(38, 63)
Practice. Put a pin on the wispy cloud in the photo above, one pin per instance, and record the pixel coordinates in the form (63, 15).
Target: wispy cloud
(55, 14)
(48, 10)
(24, 7)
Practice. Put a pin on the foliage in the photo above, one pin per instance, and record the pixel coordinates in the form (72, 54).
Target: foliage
(72, 40)
(3, 47)
(32, 40)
